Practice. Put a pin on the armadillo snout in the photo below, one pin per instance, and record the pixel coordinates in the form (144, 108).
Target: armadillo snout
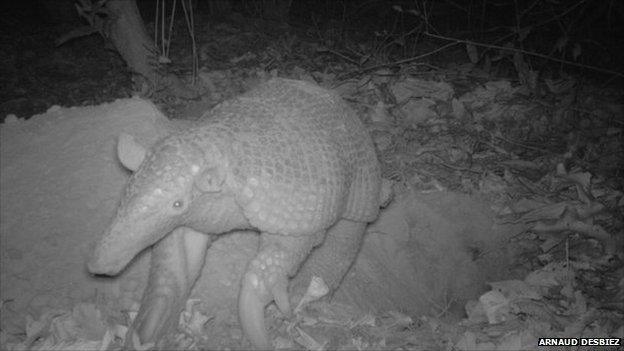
(99, 265)
(108, 259)
(94, 266)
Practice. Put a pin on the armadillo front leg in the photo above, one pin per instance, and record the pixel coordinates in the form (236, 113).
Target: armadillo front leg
(175, 265)
(266, 280)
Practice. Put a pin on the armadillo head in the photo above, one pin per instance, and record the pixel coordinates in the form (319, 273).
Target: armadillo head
(156, 199)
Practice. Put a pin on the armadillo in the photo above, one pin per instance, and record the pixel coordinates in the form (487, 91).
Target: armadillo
(288, 159)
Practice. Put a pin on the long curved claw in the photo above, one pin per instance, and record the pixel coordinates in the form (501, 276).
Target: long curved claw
(279, 291)
(157, 317)
(253, 297)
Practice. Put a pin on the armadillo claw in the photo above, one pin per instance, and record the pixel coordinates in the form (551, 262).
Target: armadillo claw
(280, 295)
(151, 323)
(253, 297)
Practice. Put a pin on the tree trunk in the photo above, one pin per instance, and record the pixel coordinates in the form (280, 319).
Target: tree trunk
(128, 35)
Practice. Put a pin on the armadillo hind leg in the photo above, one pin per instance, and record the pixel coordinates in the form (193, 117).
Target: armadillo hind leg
(266, 280)
(175, 265)
(331, 260)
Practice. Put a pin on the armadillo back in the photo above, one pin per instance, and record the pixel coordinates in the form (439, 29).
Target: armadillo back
(299, 156)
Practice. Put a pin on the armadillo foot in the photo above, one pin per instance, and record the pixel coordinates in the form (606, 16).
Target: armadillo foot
(154, 319)
(176, 262)
(265, 281)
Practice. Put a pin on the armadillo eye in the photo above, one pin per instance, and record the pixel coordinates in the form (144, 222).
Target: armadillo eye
(178, 204)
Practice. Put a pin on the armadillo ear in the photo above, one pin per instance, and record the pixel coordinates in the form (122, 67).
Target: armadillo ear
(130, 152)
(210, 180)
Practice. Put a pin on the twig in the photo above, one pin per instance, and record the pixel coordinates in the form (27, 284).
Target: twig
(190, 25)
(454, 168)
(341, 55)
(372, 68)
(519, 144)
(530, 53)
(168, 43)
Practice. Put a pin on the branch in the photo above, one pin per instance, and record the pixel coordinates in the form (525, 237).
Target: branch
(530, 53)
